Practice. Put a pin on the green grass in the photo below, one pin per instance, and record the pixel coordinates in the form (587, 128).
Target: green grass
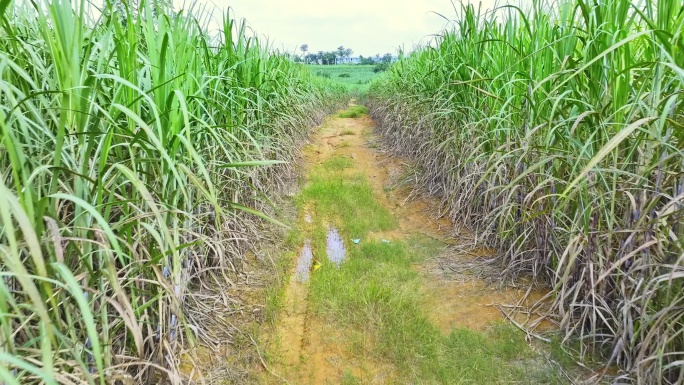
(275, 290)
(359, 76)
(350, 379)
(338, 163)
(353, 112)
(556, 132)
(347, 200)
(376, 295)
(376, 292)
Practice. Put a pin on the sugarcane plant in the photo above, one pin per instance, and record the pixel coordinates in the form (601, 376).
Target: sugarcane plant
(137, 154)
(556, 132)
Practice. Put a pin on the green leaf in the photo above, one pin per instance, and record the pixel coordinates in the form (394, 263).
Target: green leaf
(605, 150)
(257, 213)
(249, 163)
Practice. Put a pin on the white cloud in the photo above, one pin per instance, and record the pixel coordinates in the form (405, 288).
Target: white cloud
(366, 26)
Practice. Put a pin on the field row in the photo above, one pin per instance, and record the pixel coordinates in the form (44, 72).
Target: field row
(129, 146)
(556, 131)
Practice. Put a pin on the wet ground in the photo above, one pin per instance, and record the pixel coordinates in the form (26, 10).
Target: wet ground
(303, 348)
(304, 263)
(334, 247)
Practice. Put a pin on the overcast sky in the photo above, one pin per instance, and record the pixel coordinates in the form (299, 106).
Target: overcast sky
(368, 27)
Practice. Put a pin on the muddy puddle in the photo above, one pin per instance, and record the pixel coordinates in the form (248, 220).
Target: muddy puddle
(335, 247)
(304, 262)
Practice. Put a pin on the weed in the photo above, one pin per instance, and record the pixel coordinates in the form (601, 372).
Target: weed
(275, 292)
(350, 379)
(353, 112)
(338, 163)
(349, 199)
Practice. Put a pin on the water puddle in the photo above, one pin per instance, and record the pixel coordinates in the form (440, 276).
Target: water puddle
(304, 263)
(335, 247)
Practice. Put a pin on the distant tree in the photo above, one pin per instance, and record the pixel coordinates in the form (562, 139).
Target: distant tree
(366, 60)
(304, 48)
(341, 51)
(329, 58)
(311, 58)
(387, 58)
(348, 52)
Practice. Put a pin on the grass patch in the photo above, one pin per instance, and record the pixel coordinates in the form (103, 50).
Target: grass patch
(349, 199)
(338, 163)
(348, 132)
(350, 379)
(377, 292)
(275, 292)
(353, 112)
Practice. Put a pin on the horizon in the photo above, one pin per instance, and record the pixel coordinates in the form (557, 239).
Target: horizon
(369, 29)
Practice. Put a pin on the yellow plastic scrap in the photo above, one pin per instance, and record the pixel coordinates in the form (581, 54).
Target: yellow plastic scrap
(316, 265)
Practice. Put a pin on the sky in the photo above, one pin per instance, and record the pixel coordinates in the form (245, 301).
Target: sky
(368, 27)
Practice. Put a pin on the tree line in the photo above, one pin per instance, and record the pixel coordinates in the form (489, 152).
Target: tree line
(330, 57)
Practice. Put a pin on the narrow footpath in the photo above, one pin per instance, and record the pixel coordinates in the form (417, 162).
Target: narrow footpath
(381, 291)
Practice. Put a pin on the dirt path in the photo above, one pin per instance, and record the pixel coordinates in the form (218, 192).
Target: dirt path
(309, 348)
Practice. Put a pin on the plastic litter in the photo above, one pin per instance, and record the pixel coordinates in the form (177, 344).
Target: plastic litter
(356, 240)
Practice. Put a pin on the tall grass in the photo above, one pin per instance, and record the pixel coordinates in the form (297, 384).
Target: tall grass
(129, 146)
(556, 131)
